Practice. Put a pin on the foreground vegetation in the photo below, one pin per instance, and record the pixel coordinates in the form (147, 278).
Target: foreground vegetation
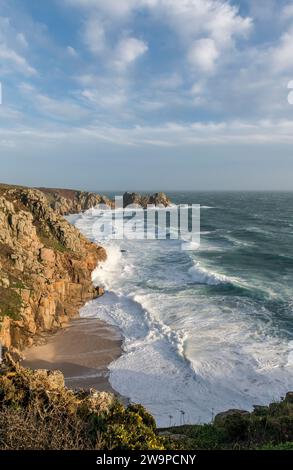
(266, 428)
(38, 412)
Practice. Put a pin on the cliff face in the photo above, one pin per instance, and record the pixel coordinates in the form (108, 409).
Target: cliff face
(45, 267)
(143, 200)
(45, 263)
(68, 201)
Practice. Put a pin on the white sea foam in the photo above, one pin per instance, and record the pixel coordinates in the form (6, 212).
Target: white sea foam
(201, 275)
(184, 351)
(104, 272)
(290, 354)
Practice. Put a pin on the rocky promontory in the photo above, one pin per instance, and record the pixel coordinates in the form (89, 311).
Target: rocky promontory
(45, 263)
(157, 199)
(45, 267)
(69, 201)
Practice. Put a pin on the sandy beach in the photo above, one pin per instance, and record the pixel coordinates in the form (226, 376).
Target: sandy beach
(82, 351)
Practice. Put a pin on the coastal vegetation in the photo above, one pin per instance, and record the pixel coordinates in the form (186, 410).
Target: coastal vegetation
(266, 427)
(52, 416)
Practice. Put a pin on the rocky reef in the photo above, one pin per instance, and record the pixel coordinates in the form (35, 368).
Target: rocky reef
(45, 267)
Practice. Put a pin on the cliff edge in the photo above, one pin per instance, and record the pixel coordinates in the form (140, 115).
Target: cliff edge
(45, 267)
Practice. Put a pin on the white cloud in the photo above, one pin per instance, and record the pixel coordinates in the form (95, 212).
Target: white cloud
(287, 12)
(113, 8)
(127, 51)
(10, 42)
(282, 56)
(105, 99)
(94, 35)
(203, 54)
(192, 20)
(16, 60)
(57, 109)
(189, 135)
(71, 51)
(21, 39)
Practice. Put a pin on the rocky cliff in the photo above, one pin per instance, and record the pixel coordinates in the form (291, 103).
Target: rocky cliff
(45, 263)
(146, 199)
(45, 267)
(68, 201)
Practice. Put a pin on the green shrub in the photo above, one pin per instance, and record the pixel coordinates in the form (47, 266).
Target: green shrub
(130, 428)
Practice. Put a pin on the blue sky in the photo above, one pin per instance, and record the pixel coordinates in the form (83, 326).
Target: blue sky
(147, 94)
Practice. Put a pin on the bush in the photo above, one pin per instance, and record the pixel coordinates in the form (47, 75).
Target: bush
(131, 428)
(50, 416)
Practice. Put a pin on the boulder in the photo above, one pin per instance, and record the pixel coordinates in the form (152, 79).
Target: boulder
(47, 255)
(289, 397)
(221, 418)
(100, 291)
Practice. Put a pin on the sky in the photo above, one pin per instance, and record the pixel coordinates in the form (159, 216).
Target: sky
(147, 94)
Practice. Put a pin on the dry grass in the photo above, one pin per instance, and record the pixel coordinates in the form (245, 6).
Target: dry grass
(26, 429)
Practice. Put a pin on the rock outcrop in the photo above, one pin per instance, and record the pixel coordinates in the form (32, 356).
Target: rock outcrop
(144, 200)
(68, 201)
(45, 267)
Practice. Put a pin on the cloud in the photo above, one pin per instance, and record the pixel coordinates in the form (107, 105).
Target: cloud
(172, 135)
(110, 99)
(63, 109)
(195, 71)
(128, 50)
(282, 57)
(21, 39)
(10, 42)
(216, 21)
(71, 51)
(287, 12)
(113, 8)
(94, 35)
(16, 60)
(203, 54)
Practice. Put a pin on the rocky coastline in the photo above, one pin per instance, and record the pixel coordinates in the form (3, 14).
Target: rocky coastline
(69, 201)
(45, 262)
(45, 268)
(45, 277)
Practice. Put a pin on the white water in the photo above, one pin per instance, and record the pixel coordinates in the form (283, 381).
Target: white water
(184, 350)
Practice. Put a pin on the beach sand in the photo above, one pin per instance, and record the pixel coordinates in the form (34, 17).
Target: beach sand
(82, 351)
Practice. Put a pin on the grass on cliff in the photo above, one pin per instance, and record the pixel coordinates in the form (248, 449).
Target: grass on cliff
(266, 428)
(48, 240)
(10, 303)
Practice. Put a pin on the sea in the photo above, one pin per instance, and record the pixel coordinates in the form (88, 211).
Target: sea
(209, 329)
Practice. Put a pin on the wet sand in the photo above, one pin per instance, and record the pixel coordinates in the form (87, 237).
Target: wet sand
(82, 351)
